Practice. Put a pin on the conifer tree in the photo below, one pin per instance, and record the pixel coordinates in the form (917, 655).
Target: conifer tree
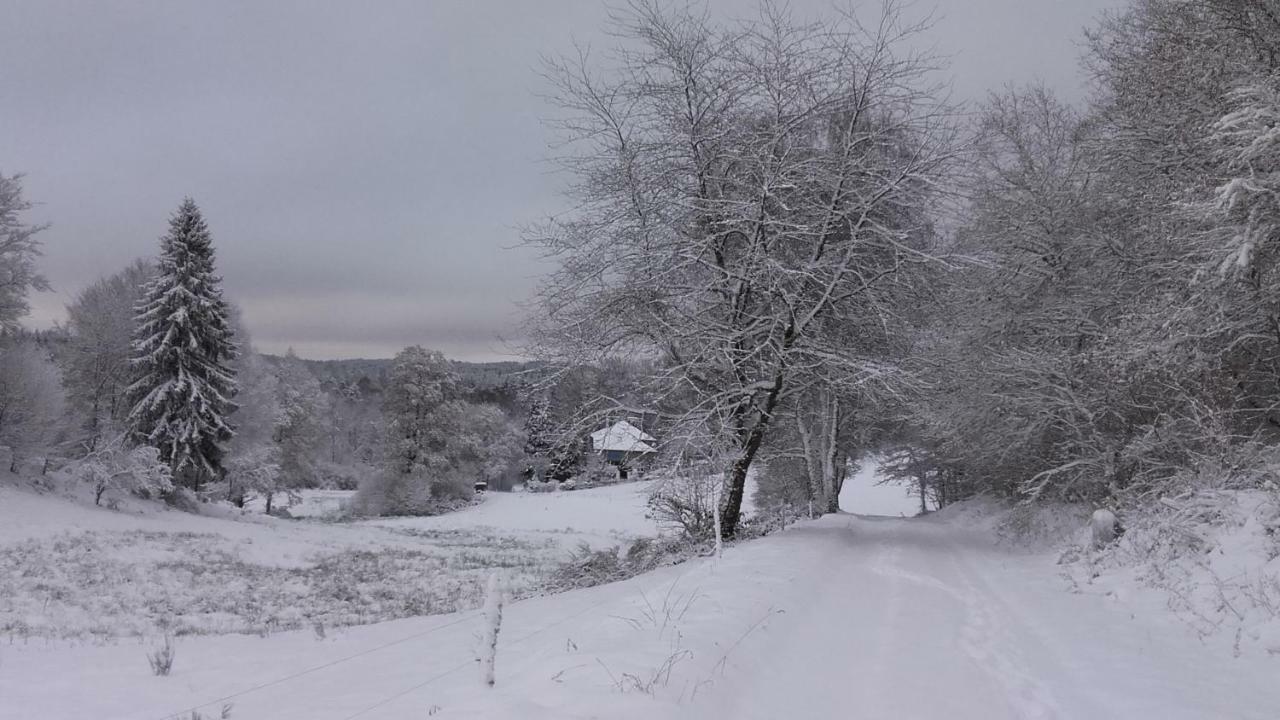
(538, 433)
(183, 387)
(538, 427)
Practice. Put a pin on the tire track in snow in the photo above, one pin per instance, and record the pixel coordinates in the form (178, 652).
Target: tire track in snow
(1016, 631)
(884, 560)
(982, 636)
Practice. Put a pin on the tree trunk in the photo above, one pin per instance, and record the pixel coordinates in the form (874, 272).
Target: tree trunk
(831, 450)
(810, 462)
(736, 475)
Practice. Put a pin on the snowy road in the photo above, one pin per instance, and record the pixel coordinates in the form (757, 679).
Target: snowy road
(845, 617)
(915, 619)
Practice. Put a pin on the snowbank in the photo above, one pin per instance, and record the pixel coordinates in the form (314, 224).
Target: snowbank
(1210, 556)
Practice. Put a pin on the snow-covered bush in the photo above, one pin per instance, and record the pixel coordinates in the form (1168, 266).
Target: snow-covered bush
(1209, 541)
(254, 473)
(115, 469)
(391, 493)
(686, 501)
(569, 484)
(538, 486)
(589, 567)
(161, 659)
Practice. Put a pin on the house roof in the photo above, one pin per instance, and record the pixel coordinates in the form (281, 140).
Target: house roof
(622, 436)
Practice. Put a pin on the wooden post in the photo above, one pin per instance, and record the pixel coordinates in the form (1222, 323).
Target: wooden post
(493, 603)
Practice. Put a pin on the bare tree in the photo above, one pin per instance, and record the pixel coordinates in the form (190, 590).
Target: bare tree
(100, 323)
(18, 251)
(32, 404)
(740, 189)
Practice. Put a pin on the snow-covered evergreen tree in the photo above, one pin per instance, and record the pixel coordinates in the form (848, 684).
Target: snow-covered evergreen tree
(183, 389)
(538, 437)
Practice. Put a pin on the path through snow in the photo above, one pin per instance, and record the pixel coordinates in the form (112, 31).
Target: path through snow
(841, 617)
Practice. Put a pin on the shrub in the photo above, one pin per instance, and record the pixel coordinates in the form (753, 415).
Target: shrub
(334, 476)
(161, 659)
(392, 493)
(184, 499)
(686, 502)
(117, 469)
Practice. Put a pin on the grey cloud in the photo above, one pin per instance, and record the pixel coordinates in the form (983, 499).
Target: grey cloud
(384, 151)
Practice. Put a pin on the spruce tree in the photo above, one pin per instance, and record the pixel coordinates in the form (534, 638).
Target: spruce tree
(183, 389)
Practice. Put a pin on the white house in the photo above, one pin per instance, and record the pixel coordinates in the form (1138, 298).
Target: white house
(622, 443)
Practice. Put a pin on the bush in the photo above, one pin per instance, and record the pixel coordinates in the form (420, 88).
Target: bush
(686, 502)
(333, 476)
(392, 493)
(184, 499)
(538, 486)
(161, 659)
(588, 567)
(115, 469)
(569, 484)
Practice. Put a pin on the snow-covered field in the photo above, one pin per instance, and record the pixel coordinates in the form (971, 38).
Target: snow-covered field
(863, 615)
(72, 570)
(840, 617)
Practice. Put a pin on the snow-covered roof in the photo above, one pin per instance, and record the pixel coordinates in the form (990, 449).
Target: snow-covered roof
(624, 437)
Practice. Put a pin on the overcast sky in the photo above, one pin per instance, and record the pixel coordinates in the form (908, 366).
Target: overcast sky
(364, 167)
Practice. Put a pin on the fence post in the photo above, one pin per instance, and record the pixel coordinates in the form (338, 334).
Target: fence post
(493, 603)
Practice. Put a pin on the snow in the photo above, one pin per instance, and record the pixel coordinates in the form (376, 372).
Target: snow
(882, 617)
(601, 516)
(71, 570)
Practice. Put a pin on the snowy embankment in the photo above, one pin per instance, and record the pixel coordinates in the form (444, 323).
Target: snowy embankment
(1211, 557)
(69, 569)
(885, 618)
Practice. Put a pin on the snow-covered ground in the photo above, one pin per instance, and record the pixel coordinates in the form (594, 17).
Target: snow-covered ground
(69, 569)
(844, 616)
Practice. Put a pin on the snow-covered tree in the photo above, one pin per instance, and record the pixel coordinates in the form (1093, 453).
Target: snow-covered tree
(184, 388)
(740, 190)
(539, 436)
(18, 252)
(421, 386)
(116, 467)
(255, 472)
(32, 402)
(420, 406)
(299, 427)
(96, 359)
(252, 460)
